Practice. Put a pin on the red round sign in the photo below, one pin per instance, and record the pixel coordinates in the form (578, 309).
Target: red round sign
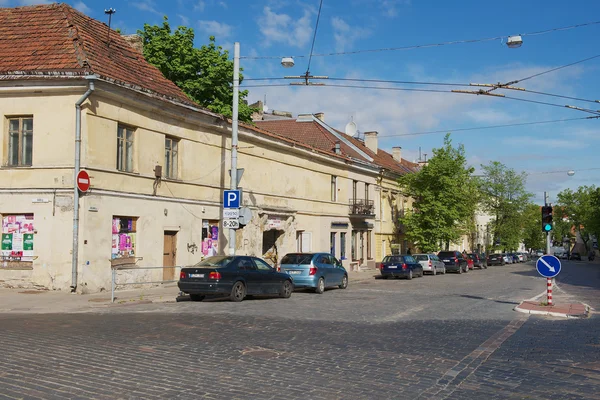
(83, 181)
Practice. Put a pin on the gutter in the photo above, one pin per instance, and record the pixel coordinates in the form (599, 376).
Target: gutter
(75, 250)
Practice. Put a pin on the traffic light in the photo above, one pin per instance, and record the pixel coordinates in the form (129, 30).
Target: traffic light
(547, 218)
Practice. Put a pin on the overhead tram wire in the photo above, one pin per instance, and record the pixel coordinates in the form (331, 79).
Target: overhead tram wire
(553, 69)
(372, 81)
(312, 47)
(410, 47)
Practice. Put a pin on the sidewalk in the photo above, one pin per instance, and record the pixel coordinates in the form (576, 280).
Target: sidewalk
(47, 302)
(564, 305)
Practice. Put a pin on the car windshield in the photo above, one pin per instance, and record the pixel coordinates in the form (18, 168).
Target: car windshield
(421, 257)
(392, 259)
(446, 254)
(215, 262)
(297, 259)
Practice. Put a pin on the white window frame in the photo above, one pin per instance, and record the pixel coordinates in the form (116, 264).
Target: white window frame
(171, 157)
(22, 152)
(125, 148)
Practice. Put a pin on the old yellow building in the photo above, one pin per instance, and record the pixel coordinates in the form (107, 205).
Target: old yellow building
(73, 98)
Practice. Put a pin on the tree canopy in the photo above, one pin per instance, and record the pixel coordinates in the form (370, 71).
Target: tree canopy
(445, 199)
(580, 210)
(204, 74)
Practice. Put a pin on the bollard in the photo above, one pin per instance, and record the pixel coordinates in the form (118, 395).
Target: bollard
(549, 293)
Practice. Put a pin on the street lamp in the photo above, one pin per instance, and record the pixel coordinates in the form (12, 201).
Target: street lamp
(287, 62)
(514, 41)
(571, 173)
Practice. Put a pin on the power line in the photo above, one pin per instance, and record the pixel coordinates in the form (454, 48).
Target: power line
(550, 104)
(489, 127)
(558, 95)
(428, 45)
(553, 69)
(561, 172)
(312, 47)
(372, 81)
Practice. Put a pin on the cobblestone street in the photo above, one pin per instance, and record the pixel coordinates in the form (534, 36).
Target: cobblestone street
(428, 338)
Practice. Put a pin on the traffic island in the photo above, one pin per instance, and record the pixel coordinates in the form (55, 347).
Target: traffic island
(576, 310)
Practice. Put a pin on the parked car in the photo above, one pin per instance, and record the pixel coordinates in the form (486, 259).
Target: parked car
(508, 258)
(430, 263)
(470, 263)
(478, 261)
(575, 256)
(495, 259)
(316, 271)
(454, 261)
(237, 276)
(400, 266)
(520, 257)
(539, 253)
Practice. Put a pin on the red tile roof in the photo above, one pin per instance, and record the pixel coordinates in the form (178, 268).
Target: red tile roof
(56, 39)
(313, 134)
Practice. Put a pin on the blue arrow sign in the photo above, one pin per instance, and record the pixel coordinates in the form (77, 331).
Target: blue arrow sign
(548, 266)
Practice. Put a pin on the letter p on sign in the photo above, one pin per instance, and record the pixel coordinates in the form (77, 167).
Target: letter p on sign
(231, 199)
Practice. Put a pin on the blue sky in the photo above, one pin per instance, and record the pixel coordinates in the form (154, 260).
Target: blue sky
(285, 27)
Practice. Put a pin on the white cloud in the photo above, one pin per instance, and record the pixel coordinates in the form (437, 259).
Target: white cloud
(146, 5)
(536, 142)
(390, 7)
(214, 28)
(200, 6)
(345, 35)
(184, 20)
(281, 28)
(82, 7)
(489, 116)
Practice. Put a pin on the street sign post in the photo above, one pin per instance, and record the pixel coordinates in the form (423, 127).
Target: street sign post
(83, 181)
(231, 199)
(548, 266)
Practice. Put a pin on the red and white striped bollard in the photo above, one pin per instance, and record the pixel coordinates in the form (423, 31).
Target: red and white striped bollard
(549, 293)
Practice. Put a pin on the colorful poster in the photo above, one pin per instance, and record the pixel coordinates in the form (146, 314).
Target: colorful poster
(115, 245)
(17, 241)
(7, 241)
(215, 232)
(115, 226)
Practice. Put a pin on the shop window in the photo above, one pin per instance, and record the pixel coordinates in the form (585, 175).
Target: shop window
(124, 231)
(303, 242)
(210, 238)
(353, 245)
(20, 141)
(343, 246)
(124, 149)
(171, 148)
(332, 243)
(17, 238)
(369, 256)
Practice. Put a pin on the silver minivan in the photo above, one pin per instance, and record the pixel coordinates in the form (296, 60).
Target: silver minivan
(431, 263)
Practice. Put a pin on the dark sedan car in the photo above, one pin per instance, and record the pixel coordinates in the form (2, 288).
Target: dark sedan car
(236, 276)
(495, 259)
(454, 261)
(575, 256)
(400, 266)
(478, 261)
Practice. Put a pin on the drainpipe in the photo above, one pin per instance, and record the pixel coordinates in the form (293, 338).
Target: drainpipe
(75, 249)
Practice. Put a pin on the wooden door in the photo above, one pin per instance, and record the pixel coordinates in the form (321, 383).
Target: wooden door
(169, 253)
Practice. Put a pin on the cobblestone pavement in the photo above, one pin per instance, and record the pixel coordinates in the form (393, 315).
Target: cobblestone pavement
(448, 348)
(581, 279)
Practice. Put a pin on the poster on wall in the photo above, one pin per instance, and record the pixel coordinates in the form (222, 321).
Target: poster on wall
(123, 237)
(17, 237)
(210, 238)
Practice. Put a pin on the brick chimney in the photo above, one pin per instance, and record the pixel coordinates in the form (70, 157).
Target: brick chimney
(397, 153)
(371, 141)
(321, 116)
(135, 41)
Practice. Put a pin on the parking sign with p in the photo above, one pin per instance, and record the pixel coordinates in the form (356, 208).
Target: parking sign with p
(231, 199)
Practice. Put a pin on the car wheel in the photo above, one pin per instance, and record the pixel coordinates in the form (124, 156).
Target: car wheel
(410, 275)
(197, 297)
(344, 283)
(238, 292)
(320, 286)
(434, 273)
(286, 290)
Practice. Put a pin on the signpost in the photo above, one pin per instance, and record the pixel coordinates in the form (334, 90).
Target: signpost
(231, 199)
(83, 181)
(548, 266)
(231, 209)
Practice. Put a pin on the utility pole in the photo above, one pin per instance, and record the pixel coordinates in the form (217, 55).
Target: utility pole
(549, 233)
(234, 133)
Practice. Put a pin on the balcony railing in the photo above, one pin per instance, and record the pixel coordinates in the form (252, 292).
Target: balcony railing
(361, 207)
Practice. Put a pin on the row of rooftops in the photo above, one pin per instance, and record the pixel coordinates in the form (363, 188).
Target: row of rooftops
(58, 41)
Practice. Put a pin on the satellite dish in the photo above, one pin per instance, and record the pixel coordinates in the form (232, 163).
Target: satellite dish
(351, 128)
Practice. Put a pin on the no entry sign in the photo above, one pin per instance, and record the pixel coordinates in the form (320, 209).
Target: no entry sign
(83, 181)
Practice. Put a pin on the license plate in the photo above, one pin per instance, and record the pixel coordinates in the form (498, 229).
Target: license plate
(493, 259)
(294, 272)
(446, 260)
(393, 266)
(196, 275)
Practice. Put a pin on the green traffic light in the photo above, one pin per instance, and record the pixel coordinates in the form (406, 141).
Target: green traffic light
(547, 227)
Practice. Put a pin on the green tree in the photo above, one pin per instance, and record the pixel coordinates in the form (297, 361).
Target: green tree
(503, 195)
(578, 208)
(204, 74)
(445, 199)
(533, 237)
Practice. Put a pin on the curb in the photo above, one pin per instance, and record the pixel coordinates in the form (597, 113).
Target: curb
(585, 314)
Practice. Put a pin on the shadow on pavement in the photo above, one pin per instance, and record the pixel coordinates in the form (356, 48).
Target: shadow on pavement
(467, 296)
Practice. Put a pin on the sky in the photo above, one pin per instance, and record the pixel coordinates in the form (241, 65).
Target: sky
(269, 29)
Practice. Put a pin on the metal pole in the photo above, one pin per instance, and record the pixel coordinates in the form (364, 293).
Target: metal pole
(112, 285)
(234, 132)
(548, 237)
(549, 290)
(77, 164)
